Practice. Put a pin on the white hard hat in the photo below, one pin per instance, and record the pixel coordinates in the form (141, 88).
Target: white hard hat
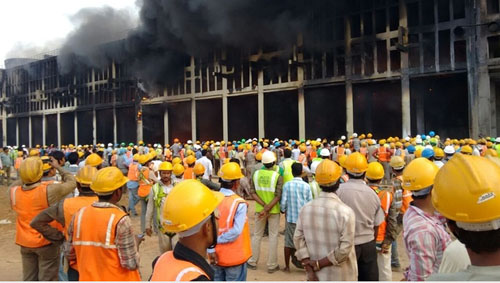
(308, 143)
(189, 142)
(217, 143)
(332, 142)
(318, 140)
(324, 152)
(354, 135)
(407, 139)
(418, 140)
(268, 157)
(110, 144)
(23, 145)
(449, 149)
(314, 165)
(342, 137)
(497, 140)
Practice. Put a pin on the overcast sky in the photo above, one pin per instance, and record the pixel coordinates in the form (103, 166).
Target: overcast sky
(34, 26)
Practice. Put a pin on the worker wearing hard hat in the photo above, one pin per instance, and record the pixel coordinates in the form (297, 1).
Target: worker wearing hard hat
(28, 197)
(156, 201)
(199, 171)
(425, 236)
(266, 190)
(233, 241)
(324, 236)
(383, 155)
(190, 210)
(466, 193)
(63, 212)
(286, 166)
(369, 215)
(101, 239)
(178, 171)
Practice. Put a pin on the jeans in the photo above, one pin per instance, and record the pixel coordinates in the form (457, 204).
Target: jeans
(260, 224)
(394, 254)
(144, 207)
(133, 198)
(63, 276)
(73, 274)
(232, 273)
(366, 255)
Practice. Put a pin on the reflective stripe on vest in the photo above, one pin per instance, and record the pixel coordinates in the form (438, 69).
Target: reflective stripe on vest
(238, 251)
(287, 170)
(144, 183)
(72, 205)
(386, 199)
(95, 248)
(265, 182)
(168, 268)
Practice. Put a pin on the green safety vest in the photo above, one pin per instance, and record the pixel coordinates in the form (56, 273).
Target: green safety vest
(265, 182)
(287, 170)
(158, 195)
(497, 148)
(315, 189)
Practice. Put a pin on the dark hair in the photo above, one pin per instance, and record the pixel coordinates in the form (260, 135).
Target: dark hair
(105, 198)
(203, 152)
(226, 184)
(269, 165)
(235, 160)
(57, 154)
(330, 189)
(73, 158)
(5, 148)
(297, 169)
(287, 153)
(100, 153)
(134, 151)
(478, 242)
(351, 176)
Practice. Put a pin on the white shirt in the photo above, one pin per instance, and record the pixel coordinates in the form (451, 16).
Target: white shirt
(208, 167)
(295, 154)
(455, 258)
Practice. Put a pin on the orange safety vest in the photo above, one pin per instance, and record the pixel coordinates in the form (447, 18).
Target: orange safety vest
(28, 204)
(239, 251)
(144, 184)
(168, 268)
(222, 153)
(133, 172)
(188, 173)
(383, 154)
(340, 152)
(385, 202)
(406, 199)
(18, 162)
(94, 235)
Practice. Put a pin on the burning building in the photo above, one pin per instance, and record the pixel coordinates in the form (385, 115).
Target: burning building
(227, 70)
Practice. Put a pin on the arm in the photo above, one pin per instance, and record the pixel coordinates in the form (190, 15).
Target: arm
(277, 195)
(239, 222)
(284, 200)
(56, 192)
(69, 250)
(42, 220)
(126, 244)
(346, 243)
(299, 239)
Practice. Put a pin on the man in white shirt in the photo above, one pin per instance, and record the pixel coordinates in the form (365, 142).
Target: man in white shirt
(207, 164)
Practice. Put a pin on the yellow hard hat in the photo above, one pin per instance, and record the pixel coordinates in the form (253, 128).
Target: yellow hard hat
(230, 171)
(302, 148)
(199, 169)
(31, 170)
(419, 174)
(85, 175)
(438, 152)
(339, 142)
(258, 156)
(80, 154)
(342, 160)
(491, 152)
(369, 135)
(20, 153)
(190, 159)
(34, 152)
(190, 152)
(399, 144)
(144, 158)
(418, 152)
(327, 173)
(93, 160)
(165, 166)
(381, 142)
(466, 190)
(188, 204)
(466, 149)
(375, 171)
(397, 162)
(178, 169)
(108, 180)
(356, 163)
(176, 160)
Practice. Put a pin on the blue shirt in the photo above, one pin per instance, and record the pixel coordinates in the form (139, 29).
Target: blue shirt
(296, 194)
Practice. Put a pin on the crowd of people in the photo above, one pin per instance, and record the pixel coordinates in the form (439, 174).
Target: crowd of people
(345, 202)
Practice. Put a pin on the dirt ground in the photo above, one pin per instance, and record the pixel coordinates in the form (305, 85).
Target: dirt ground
(11, 268)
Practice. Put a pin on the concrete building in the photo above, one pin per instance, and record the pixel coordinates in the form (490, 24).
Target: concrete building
(390, 67)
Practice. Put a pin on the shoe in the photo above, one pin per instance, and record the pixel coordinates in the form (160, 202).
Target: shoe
(273, 270)
(251, 266)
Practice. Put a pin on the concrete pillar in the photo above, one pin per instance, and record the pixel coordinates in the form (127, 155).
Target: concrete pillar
(193, 120)
(165, 126)
(405, 78)
(30, 129)
(17, 131)
(349, 108)
(94, 126)
(59, 129)
(302, 113)
(76, 128)
(260, 103)
(115, 130)
(225, 118)
(420, 113)
(139, 129)
(4, 130)
(44, 123)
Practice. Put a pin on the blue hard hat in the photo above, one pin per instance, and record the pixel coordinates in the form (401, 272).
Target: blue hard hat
(432, 134)
(428, 153)
(411, 149)
(276, 144)
(423, 137)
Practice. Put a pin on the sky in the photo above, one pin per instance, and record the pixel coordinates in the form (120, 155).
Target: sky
(30, 27)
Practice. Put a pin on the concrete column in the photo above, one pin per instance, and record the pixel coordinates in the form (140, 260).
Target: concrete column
(302, 113)
(139, 129)
(405, 78)
(193, 120)
(17, 132)
(225, 114)
(115, 127)
(348, 84)
(76, 128)
(58, 128)
(4, 130)
(260, 103)
(44, 123)
(94, 126)
(30, 129)
(165, 126)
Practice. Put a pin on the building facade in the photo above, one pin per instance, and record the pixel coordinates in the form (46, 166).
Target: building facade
(390, 67)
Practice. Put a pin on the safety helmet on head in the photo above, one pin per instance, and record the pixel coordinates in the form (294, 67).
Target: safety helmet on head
(165, 166)
(466, 149)
(342, 160)
(46, 163)
(419, 175)
(176, 160)
(188, 204)
(375, 171)
(268, 157)
(199, 169)
(108, 180)
(190, 160)
(34, 152)
(328, 173)
(178, 169)
(324, 152)
(428, 153)
(258, 156)
(449, 149)
(356, 164)
(381, 142)
(85, 175)
(31, 170)
(397, 162)
(230, 171)
(491, 152)
(93, 160)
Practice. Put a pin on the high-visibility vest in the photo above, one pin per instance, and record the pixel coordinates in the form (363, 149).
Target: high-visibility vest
(94, 233)
(402, 196)
(340, 152)
(240, 250)
(222, 153)
(133, 171)
(188, 173)
(144, 183)
(18, 162)
(265, 182)
(383, 154)
(364, 151)
(168, 268)
(28, 204)
(158, 196)
(287, 170)
(315, 189)
(386, 199)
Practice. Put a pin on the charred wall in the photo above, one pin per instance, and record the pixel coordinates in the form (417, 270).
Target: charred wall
(105, 125)
(36, 130)
(179, 120)
(51, 129)
(281, 114)
(11, 130)
(126, 129)
(209, 119)
(325, 112)
(153, 124)
(24, 130)
(68, 128)
(85, 127)
(243, 121)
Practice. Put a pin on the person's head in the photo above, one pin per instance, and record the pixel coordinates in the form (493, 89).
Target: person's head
(327, 175)
(466, 192)
(190, 210)
(297, 169)
(287, 153)
(48, 170)
(73, 158)
(199, 170)
(324, 153)
(84, 178)
(94, 160)
(6, 149)
(356, 165)
(178, 170)
(397, 164)
(375, 172)
(268, 159)
(203, 152)
(191, 160)
(230, 175)
(59, 156)
(165, 170)
(31, 170)
(108, 184)
(418, 177)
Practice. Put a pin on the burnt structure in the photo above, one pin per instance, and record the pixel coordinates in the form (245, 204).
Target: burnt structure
(390, 67)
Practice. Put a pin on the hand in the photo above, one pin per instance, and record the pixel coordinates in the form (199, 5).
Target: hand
(212, 257)
(385, 248)
(262, 214)
(149, 232)
(54, 163)
(139, 239)
(311, 276)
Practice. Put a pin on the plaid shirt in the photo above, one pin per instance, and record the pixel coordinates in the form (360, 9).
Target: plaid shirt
(296, 194)
(425, 239)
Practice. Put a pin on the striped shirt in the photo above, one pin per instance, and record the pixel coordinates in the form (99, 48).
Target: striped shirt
(425, 239)
(296, 194)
